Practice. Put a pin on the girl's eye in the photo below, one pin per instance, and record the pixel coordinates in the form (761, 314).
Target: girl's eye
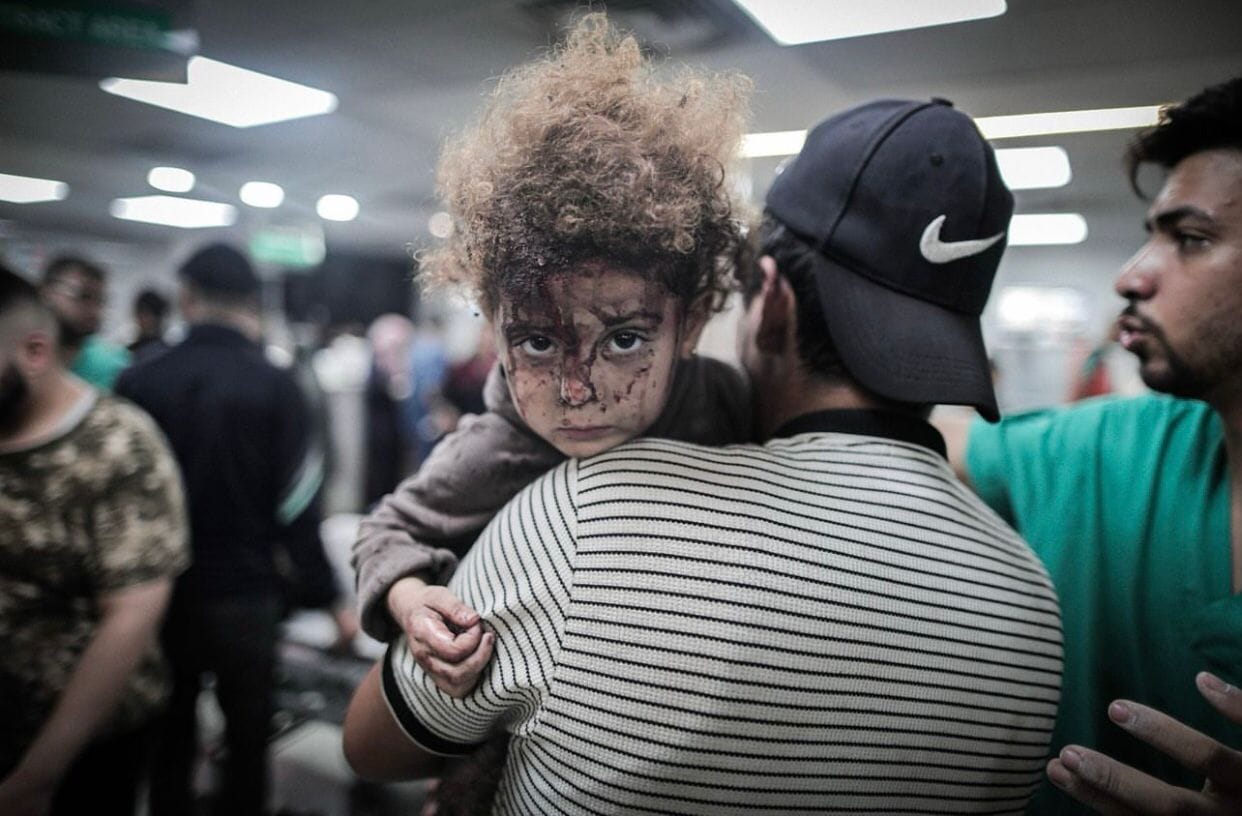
(625, 342)
(537, 345)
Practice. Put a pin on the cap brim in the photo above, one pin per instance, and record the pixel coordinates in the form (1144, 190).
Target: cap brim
(903, 348)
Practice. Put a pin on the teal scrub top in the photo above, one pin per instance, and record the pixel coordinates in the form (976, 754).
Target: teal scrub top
(1127, 503)
(99, 362)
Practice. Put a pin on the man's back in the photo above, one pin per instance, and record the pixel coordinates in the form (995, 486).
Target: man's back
(828, 622)
(237, 425)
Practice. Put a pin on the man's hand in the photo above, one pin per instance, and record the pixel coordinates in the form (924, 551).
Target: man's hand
(446, 637)
(1112, 787)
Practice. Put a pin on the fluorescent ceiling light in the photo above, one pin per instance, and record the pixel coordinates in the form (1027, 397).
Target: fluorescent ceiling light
(174, 180)
(337, 207)
(174, 211)
(262, 194)
(772, 143)
(1027, 168)
(787, 143)
(225, 93)
(1026, 308)
(1047, 228)
(29, 189)
(1100, 119)
(791, 22)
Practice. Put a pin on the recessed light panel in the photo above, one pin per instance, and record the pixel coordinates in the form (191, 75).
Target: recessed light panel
(228, 94)
(1047, 228)
(1030, 168)
(792, 22)
(174, 211)
(1098, 119)
(440, 224)
(337, 207)
(30, 189)
(173, 180)
(772, 143)
(262, 194)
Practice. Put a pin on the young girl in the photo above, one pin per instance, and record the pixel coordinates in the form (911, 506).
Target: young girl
(593, 225)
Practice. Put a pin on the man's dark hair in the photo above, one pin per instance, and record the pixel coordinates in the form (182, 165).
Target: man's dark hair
(1208, 120)
(60, 266)
(149, 301)
(795, 259)
(18, 294)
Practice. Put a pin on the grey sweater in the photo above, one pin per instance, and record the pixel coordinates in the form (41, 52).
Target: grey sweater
(435, 514)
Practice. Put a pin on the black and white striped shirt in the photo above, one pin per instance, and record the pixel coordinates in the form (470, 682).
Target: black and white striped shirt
(829, 622)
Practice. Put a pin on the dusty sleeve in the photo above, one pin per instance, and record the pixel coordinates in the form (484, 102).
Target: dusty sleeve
(435, 515)
(519, 577)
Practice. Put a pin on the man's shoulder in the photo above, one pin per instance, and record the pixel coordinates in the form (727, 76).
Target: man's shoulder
(632, 468)
(243, 366)
(1079, 426)
(119, 429)
(658, 448)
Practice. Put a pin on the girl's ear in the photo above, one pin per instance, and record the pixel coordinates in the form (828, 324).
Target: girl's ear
(692, 326)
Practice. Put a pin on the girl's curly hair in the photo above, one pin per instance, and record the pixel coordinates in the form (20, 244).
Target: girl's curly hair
(586, 156)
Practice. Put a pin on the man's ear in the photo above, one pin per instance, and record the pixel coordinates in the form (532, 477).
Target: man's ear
(36, 353)
(692, 326)
(776, 310)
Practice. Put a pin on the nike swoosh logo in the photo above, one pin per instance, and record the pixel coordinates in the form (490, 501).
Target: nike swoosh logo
(942, 252)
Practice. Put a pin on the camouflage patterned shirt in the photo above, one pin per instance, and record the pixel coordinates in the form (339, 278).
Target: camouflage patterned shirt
(95, 509)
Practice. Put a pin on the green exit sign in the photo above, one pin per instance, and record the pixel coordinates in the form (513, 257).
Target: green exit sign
(287, 248)
(125, 26)
(151, 39)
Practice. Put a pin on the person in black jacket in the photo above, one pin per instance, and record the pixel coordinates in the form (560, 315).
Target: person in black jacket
(242, 433)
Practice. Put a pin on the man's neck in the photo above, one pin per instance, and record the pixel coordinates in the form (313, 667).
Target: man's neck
(247, 323)
(51, 402)
(804, 395)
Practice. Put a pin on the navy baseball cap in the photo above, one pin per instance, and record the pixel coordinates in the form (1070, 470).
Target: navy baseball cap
(907, 208)
(222, 269)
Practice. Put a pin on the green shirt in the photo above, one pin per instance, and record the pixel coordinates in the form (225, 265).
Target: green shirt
(99, 362)
(1127, 503)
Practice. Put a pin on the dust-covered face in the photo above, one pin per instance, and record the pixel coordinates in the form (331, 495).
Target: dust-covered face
(590, 356)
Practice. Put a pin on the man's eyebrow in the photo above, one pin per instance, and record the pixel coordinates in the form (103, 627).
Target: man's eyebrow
(646, 315)
(1168, 218)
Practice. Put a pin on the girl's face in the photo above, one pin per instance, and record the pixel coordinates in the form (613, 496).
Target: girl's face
(590, 356)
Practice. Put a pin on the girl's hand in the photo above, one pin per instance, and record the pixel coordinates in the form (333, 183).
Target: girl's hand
(446, 637)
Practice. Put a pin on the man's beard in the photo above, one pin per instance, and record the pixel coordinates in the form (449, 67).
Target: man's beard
(14, 399)
(1178, 378)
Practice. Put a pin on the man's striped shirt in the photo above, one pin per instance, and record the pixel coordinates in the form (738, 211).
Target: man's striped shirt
(829, 622)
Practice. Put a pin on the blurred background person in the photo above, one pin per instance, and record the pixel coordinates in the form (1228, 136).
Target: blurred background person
(464, 386)
(150, 319)
(425, 418)
(76, 290)
(1107, 369)
(243, 435)
(389, 387)
(92, 532)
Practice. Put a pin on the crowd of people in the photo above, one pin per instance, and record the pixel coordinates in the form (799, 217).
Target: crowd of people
(631, 578)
